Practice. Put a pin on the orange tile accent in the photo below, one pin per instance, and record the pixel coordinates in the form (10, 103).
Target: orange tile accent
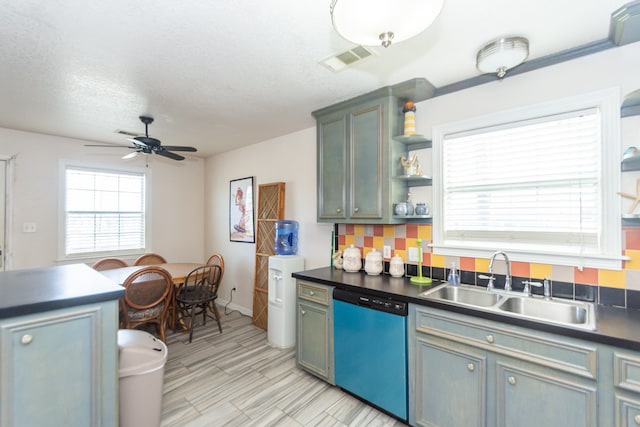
(341, 240)
(467, 263)
(539, 271)
(368, 241)
(520, 269)
(632, 237)
(378, 230)
(426, 258)
(412, 231)
(588, 276)
(348, 229)
(634, 263)
(400, 244)
(612, 278)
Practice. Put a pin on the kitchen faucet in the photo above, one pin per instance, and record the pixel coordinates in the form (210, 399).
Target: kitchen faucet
(507, 279)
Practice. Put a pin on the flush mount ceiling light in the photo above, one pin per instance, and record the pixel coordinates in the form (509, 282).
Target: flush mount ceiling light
(370, 22)
(503, 54)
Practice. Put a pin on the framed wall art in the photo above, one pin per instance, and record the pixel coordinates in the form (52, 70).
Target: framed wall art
(241, 227)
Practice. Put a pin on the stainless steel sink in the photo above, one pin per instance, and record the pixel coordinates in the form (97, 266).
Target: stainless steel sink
(468, 295)
(570, 312)
(563, 312)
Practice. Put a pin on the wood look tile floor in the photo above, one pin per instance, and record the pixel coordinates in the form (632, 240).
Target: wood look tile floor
(237, 379)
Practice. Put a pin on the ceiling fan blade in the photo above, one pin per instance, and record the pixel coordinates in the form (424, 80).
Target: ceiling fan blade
(108, 145)
(179, 148)
(170, 155)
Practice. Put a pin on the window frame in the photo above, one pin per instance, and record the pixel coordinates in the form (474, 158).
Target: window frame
(108, 168)
(608, 101)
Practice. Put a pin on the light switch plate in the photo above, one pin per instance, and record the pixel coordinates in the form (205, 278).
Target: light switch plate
(412, 255)
(386, 251)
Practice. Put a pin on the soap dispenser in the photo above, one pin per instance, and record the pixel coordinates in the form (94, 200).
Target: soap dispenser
(454, 275)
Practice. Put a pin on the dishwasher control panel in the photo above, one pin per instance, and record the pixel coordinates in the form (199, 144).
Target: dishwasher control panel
(375, 303)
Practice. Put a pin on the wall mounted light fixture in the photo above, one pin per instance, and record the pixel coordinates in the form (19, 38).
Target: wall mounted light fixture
(503, 54)
(370, 22)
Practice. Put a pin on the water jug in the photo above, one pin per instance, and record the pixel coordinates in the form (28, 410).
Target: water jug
(286, 237)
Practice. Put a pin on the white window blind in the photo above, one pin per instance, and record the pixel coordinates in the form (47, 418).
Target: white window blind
(536, 182)
(104, 211)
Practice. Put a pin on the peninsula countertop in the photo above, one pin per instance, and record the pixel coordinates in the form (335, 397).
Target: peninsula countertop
(614, 326)
(49, 288)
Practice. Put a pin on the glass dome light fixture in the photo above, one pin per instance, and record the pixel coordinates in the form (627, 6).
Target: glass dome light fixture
(501, 55)
(373, 22)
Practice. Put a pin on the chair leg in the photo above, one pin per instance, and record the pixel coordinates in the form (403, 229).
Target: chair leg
(215, 312)
(191, 321)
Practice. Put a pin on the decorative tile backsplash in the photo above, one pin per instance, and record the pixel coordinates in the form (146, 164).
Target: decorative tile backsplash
(608, 287)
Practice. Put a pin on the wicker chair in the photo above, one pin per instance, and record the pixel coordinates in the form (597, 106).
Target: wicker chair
(109, 264)
(150, 259)
(147, 297)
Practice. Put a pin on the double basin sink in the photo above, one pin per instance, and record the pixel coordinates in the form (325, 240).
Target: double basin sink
(563, 312)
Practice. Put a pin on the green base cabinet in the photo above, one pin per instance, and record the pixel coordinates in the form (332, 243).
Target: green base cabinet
(315, 329)
(466, 371)
(59, 368)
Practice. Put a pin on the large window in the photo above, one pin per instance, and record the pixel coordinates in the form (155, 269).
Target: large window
(539, 182)
(104, 212)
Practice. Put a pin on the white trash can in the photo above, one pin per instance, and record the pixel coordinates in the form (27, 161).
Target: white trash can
(141, 373)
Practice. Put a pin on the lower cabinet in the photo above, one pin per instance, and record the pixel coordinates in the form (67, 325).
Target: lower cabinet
(59, 368)
(469, 372)
(315, 329)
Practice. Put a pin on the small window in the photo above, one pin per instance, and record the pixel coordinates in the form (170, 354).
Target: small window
(539, 183)
(104, 212)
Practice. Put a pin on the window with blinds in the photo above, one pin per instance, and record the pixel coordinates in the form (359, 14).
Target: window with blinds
(535, 184)
(104, 211)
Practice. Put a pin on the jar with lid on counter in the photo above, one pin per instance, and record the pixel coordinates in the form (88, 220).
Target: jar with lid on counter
(351, 259)
(422, 209)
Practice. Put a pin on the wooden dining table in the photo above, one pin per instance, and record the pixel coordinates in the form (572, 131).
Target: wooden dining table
(177, 270)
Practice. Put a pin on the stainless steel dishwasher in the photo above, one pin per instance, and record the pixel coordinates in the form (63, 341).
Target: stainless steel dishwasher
(370, 349)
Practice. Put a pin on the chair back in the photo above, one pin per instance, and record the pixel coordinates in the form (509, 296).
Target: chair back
(216, 259)
(150, 259)
(146, 300)
(109, 264)
(201, 285)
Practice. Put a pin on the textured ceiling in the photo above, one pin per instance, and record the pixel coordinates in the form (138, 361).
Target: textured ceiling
(218, 75)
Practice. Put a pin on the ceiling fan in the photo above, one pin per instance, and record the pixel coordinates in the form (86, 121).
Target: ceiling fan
(147, 145)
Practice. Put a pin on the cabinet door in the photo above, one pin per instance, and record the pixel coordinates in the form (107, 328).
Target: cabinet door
(627, 411)
(366, 163)
(450, 384)
(313, 339)
(53, 369)
(332, 167)
(530, 396)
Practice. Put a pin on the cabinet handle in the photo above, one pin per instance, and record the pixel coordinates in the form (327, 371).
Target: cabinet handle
(302, 312)
(338, 210)
(311, 293)
(490, 338)
(26, 339)
(511, 379)
(356, 209)
(471, 367)
(637, 419)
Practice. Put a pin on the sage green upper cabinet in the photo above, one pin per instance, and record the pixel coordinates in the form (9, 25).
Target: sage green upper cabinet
(358, 156)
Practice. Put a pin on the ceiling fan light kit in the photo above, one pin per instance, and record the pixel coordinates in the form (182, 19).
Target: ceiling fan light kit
(502, 54)
(373, 22)
(147, 145)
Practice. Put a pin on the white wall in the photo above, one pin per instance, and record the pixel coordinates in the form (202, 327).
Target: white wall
(177, 197)
(290, 159)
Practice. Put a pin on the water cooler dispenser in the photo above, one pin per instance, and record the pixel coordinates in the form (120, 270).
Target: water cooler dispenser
(281, 330)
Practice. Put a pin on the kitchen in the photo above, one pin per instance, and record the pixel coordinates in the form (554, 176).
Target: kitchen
(36, 170)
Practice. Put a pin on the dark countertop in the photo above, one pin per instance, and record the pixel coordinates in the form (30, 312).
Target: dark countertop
(50, 288)
(614, 326)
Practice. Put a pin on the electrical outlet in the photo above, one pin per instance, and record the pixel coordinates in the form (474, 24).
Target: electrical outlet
(29, 227)
(412, 254)
(233, 289)
(386, 251)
